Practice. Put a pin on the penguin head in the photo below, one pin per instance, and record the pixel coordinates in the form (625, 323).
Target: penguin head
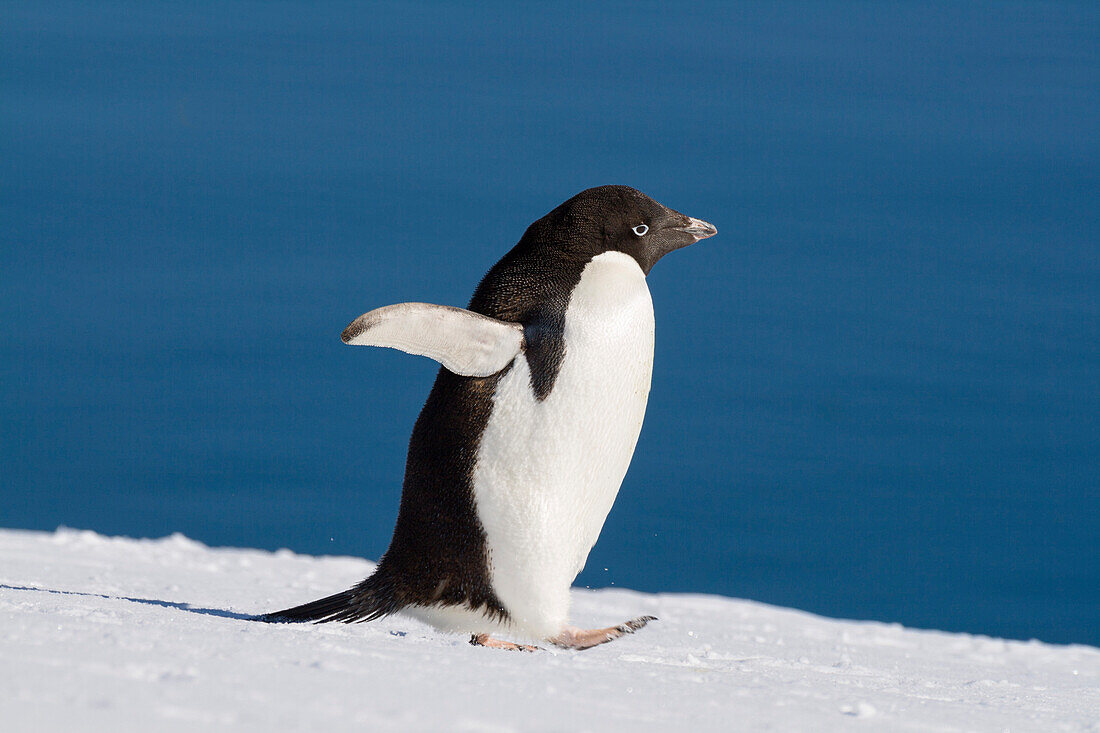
(621, 219)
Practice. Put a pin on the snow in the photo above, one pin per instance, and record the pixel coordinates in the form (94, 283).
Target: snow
(102, 633)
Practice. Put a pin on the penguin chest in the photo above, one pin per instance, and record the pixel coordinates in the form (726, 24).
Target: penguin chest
(548, 470)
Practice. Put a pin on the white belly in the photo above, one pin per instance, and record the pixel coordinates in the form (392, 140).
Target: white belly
(547, 472)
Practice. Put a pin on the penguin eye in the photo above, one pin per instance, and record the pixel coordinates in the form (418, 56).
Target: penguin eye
(640, 230)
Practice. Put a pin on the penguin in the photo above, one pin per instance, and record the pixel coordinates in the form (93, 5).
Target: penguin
(527, 433)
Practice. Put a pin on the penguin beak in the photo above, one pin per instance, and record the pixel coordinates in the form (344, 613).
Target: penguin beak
(698, 228)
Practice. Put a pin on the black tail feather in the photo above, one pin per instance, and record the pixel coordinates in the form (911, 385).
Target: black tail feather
(367, 601)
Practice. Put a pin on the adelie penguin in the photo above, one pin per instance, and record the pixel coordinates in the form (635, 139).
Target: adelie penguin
(521, 447)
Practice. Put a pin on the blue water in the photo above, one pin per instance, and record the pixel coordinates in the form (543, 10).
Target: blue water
(876, 392)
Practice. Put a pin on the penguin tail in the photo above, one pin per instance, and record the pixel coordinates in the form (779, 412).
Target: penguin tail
(367, 601)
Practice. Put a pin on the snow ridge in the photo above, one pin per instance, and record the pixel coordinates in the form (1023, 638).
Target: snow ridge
(107, 633)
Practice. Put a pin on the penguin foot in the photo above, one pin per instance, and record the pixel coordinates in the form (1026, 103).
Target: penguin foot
(573, 638)
(488, 641)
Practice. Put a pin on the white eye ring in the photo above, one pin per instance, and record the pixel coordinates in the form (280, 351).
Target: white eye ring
(640, 230)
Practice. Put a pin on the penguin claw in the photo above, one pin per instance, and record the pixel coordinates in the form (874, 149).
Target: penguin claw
(573, 638)
(629, 627)
(487, 641)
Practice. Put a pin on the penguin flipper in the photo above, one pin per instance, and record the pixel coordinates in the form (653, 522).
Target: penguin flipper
(466, 343)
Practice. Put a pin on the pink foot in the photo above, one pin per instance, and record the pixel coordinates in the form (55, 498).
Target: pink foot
(573, 638)
(488, 641)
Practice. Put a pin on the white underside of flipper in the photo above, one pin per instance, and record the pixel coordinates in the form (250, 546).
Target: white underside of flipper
(548, 472)
(466, 343)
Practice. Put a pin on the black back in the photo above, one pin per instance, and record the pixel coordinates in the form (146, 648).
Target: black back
(438, 553)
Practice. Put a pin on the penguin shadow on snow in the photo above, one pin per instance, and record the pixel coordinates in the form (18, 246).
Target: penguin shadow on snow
(219, 612)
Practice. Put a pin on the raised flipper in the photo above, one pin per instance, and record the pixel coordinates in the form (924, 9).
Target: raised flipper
(466, 343)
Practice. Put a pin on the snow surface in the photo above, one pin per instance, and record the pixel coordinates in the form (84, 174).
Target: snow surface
(100, 633)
